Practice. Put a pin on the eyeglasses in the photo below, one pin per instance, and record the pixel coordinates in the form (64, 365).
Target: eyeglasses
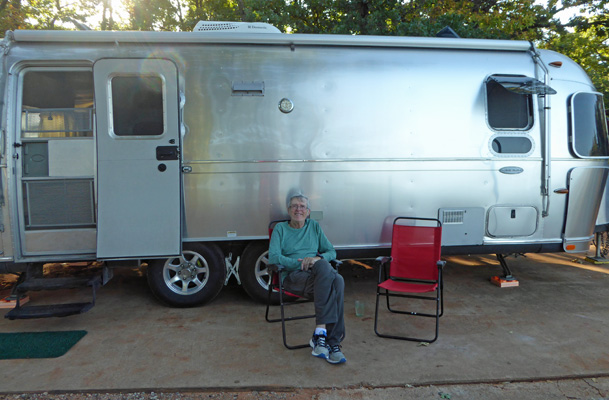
(298, 206)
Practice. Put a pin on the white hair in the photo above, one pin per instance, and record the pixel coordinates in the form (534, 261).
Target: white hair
(298, 196)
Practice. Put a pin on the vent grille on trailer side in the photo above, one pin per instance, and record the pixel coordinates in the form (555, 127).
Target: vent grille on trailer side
(453, 217)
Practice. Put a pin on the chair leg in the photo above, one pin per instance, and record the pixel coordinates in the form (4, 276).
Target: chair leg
(376, 312)
(438, 311)
(283, 318)
(437, 315)
(283, 328)
(441, 289)
(387, 299)
(268, 301)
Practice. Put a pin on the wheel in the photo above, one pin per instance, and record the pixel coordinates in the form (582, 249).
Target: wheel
(192, 279)
(254, 274)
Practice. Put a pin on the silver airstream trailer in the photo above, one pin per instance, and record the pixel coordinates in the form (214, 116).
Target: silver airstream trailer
(177, 149)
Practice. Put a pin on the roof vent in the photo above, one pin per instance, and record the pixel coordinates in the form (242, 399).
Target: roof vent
(239, 27)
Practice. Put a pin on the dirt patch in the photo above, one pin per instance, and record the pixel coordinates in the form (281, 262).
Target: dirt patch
(303, 394)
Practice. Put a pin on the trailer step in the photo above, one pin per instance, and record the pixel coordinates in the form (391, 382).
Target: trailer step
(46, 311)
(33, 283)
(58, 283)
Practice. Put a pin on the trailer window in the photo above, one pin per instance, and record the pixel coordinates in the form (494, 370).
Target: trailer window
(137, 105)
(589, 134)
(57, 104)
(511, 145)
(507, 109)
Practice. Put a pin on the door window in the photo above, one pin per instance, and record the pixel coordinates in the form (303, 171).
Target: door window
(137, 105)
(589, 126)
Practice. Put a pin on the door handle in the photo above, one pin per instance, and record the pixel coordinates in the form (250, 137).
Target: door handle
(164, 153)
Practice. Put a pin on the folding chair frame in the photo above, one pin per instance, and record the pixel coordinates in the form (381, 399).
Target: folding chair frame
(438, 297)
(285, 298)
(277, 285)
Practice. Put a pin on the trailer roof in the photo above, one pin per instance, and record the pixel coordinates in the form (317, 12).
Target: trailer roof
(266, 38)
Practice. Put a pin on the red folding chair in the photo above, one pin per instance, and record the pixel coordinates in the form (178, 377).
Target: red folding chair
(285, 298)
(415, 269)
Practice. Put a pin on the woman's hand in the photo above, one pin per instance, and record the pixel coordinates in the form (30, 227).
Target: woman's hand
(308, 262)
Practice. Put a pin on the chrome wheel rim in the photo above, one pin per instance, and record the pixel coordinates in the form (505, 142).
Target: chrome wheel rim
(262, 271)
(187, 274)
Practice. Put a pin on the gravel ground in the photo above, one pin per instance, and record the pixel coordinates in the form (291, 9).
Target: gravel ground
(561, 389)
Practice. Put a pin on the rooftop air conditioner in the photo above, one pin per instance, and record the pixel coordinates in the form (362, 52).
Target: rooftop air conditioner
(239, 27)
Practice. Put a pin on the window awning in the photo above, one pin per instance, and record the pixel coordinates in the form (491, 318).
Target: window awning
(522, 84)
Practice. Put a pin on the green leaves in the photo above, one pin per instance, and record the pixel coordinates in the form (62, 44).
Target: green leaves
(576, 28)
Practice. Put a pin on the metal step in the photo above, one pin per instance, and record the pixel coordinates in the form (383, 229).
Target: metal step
(52, 310)
(58, 283)
(55, 310)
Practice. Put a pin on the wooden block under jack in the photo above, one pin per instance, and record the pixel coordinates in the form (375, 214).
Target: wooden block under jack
(597, 260)
(11, 301)
(496, 280)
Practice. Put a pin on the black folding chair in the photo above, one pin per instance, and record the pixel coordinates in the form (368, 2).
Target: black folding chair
(285, 298)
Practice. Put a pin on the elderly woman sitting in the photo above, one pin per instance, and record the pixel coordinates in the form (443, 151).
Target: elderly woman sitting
(303, 249)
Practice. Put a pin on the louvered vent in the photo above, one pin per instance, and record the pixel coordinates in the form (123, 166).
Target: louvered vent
(59, 203)
(453, 217)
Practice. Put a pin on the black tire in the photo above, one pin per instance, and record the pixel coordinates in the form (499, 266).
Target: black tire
(254, 274)
(191, 280)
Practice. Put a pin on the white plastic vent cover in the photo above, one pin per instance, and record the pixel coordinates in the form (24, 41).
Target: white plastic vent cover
(240, 27)
(453, 216)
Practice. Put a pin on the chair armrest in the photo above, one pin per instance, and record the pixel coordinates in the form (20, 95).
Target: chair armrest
(441, 264)
(383, 259)
(275, 267)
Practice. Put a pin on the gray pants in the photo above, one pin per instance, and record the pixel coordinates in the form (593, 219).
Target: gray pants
(326, 287)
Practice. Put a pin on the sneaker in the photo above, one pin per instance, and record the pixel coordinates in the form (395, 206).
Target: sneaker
(336, 356)
(320, 348)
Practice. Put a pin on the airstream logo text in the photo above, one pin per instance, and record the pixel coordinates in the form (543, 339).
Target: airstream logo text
(511, 170)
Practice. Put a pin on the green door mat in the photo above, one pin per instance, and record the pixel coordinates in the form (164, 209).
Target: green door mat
(37, 344)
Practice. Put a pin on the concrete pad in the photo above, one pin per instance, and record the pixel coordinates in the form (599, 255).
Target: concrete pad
(553, 326)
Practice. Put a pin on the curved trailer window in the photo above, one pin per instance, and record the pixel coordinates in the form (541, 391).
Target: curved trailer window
(589, 134)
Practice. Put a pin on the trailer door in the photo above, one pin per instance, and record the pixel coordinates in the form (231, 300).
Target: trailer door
(138, 166)
(589, 139)
(586, 186)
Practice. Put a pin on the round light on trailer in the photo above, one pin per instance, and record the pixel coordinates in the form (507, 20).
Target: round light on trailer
(286, 105)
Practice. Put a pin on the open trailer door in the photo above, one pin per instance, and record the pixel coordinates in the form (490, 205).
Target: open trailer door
(586, 185)
(138, 158)
(589, 139)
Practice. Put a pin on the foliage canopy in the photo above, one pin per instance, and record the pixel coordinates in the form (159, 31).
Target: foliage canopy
(576, 28)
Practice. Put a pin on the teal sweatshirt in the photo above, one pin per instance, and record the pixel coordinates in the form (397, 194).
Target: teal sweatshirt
(289, 244)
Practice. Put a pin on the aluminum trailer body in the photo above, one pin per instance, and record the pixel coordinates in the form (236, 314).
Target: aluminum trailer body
(179, 148)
